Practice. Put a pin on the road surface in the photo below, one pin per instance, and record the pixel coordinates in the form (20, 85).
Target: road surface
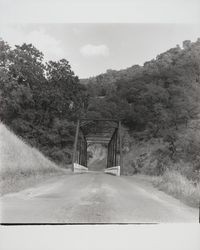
(94, 198)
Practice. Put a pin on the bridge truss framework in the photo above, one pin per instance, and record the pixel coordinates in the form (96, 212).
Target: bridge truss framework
(99, 131)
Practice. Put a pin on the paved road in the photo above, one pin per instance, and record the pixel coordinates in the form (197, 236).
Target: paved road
(94, 198)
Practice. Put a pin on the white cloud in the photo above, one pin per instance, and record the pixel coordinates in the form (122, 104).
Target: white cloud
(94, 50)
(48, 45)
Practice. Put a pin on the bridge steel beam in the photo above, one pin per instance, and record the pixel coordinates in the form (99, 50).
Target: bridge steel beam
(113, 139)
(112, 150)
(75, 144)
(120, 147)
(114, 157)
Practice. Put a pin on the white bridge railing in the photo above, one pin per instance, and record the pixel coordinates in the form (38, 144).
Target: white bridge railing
(82, 169)
(113, 170)
(79, 168)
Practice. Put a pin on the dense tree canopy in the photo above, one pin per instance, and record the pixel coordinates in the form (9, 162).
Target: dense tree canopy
(40, 101)
(164, 93)
(157, 100)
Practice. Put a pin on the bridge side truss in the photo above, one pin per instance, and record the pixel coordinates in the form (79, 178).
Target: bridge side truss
(112, 140)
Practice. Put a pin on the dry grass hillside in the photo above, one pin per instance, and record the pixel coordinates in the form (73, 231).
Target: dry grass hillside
(149, 160)
(20, 164)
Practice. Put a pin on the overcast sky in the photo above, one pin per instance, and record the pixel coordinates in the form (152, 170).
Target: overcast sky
(157, 25)
(93, 48)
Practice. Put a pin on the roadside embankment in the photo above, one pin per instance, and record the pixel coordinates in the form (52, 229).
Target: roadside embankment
(21, 165)
(151, 160)
(177, 185)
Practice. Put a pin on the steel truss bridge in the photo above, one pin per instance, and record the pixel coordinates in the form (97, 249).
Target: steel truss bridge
(102, 131)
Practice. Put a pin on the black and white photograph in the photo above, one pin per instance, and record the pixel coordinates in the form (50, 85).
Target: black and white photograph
(99, 117)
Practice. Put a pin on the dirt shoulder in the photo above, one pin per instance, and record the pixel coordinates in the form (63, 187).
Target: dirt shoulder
(21, 182)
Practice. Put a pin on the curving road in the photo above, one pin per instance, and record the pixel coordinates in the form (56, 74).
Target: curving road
(94, 198)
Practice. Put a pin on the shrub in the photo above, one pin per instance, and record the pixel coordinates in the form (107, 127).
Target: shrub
(177, 185)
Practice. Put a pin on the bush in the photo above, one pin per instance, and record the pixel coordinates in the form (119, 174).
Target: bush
(177, 185)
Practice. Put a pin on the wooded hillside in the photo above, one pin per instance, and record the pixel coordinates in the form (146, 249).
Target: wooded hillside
(159, 100)
(161, 94)
(40, 101)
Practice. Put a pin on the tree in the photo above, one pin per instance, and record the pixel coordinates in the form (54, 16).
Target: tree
(40, 102)
(66, 96)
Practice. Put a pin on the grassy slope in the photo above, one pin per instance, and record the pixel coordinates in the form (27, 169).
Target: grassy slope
(172, 181)
(20, 164)
(177, 185)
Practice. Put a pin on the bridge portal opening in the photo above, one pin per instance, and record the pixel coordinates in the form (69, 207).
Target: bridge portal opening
(106, 132)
